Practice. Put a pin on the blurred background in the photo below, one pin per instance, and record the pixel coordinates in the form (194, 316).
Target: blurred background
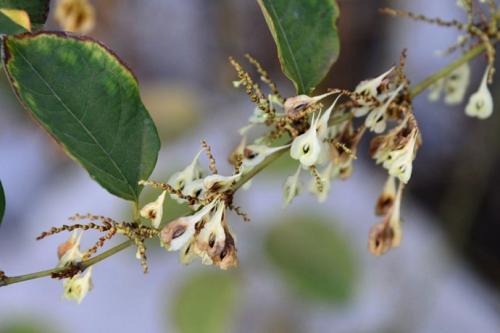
(303, 269)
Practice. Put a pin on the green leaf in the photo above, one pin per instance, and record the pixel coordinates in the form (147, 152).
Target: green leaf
(87, 99)
(305, 34)
(205, 303)
(37, 10)
(313, 258)
(2, 203)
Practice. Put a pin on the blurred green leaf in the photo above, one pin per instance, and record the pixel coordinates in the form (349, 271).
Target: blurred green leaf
(314, 258)
(37, 10)
(89, 102)
(205, 303)
(305, 33)
(2, 202)
(26, 325)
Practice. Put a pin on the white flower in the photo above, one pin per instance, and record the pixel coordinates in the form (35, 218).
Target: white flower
(195, 189)
(321, 190)
(435, 90)
(369, 87)
(255, 154)
(211, 239)
(307, 147)
(292, 187)
(456, 84)
(154, 210)
(480, 103)
(220, 183)
(399, 162)
(77, 287)
(69, 252)
(322, 128)
(178, 233)
(376, 120)
(180, 179)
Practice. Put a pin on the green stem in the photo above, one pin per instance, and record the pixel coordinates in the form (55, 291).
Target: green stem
(270, 159)
(418, 89)
(447, 70)
(83, 265)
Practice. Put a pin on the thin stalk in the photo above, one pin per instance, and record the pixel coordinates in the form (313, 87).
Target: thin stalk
(49, 272)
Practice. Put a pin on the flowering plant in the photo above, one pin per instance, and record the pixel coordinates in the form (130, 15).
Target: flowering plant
(89, 102)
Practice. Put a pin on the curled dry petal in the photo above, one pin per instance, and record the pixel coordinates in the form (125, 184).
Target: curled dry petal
(294, 105)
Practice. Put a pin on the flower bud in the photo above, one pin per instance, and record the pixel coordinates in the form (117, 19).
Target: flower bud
(154, 210)
(480, 103)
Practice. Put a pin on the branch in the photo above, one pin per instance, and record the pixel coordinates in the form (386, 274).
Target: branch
(417, 89)
(6, 280)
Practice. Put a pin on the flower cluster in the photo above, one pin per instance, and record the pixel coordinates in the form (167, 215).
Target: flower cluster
(480, 29)
(480, 104)
(324, 142)
(206, 233)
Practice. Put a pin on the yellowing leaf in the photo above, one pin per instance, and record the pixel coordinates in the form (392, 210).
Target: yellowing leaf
(20, 17)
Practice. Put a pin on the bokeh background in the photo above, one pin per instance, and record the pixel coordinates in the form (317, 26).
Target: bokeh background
(303, 269)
